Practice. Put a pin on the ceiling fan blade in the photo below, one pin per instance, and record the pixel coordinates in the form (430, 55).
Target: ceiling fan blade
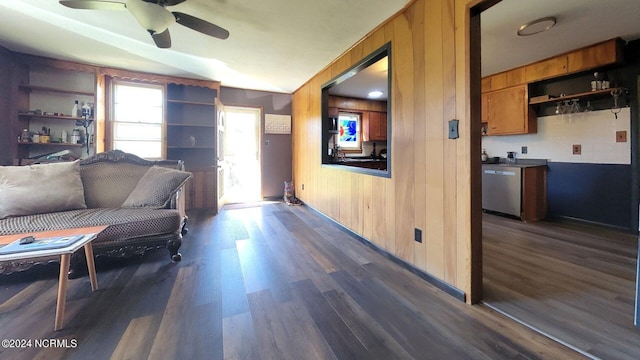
(162, 40)
(172, 2)
(200, 25)
(93, 4)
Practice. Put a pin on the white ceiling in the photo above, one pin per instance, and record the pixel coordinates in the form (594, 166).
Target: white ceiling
(580, 23)
(277, 45)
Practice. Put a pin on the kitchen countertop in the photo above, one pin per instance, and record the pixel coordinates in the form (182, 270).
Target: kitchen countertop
(356, 160)
(518, 165)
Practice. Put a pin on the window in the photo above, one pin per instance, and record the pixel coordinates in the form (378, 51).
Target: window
(349, 134)
(137, 119)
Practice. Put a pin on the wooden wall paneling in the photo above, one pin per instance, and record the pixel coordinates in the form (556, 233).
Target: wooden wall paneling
(450, 146)
(403, 136)
(369, 199)
(390, 208)
(346, 198)
(391, 211)
(356, 203)
(434, 180)
(421, 59)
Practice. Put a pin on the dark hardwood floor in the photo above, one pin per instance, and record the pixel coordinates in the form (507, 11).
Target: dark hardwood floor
(268, 282)
(574, 282)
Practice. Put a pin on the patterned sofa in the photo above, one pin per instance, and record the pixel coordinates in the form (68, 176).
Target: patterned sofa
(140, 200)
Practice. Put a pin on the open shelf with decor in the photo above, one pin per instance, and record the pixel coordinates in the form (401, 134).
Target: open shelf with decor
(191, 137)
(582, 95)
(46, 95)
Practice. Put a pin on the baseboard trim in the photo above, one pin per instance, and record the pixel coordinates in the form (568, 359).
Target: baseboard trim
(569, 219)
(445, 287)
(543, 333)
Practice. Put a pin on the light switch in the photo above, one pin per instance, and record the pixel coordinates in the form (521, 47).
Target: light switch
(453, 129)
(621, 136)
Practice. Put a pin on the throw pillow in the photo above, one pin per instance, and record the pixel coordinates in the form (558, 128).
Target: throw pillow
(156, 187)
(40, 188)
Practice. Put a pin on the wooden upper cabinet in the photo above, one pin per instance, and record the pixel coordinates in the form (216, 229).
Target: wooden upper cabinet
(374, 126)
(546, 69)
(498, 81)
(485, 107)
(515, 77)
(508, 112)
(587, 58)
(486, 84)
(604, 53)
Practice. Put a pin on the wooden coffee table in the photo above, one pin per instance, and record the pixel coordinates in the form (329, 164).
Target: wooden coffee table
(65, 257)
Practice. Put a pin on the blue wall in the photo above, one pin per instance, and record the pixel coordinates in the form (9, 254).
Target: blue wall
(598, 193)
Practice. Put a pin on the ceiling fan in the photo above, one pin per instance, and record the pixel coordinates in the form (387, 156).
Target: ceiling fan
(153, 16)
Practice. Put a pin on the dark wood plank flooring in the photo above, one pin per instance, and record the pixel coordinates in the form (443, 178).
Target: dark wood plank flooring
(268, 282)
(574, 282)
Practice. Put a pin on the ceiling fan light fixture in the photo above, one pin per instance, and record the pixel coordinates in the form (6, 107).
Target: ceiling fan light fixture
(153, 17)
(537, 26)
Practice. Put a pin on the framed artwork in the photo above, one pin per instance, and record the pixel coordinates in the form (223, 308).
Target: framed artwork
(349, 132)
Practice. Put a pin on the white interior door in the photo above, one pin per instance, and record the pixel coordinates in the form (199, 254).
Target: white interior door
(220, 161)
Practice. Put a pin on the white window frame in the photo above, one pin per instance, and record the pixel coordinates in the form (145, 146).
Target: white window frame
(161, 125)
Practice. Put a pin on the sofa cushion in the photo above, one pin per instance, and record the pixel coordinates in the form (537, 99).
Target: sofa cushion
(108, 184)
(40, 188)
(156, 187)
(123, 223)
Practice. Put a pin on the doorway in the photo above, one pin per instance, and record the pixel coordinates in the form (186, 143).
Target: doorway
(242, 154)
(538, 273)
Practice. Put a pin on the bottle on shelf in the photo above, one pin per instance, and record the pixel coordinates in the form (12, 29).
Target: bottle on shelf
(484, 155)
(75, 109)
(605, 81)
(24, 137)
(75, 136)
(86, 111)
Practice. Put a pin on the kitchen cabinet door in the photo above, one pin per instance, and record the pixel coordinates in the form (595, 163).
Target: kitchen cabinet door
(374, 126)
(508, 112)
(546, 69)
(485, 108)
(605, 53)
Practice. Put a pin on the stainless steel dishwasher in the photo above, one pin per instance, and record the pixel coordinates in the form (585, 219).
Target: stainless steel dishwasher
(502, 189)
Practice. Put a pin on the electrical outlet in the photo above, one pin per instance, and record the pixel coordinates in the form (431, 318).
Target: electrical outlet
(302, 186)
(418, 235)
(524, 150)
(621, 136)
(577, 149)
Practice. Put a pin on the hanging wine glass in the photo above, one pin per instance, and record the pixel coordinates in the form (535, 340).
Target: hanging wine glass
(588, 107)
(575, 106)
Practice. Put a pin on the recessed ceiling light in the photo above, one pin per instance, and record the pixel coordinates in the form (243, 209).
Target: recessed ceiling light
(375, 94)
(537, 26)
